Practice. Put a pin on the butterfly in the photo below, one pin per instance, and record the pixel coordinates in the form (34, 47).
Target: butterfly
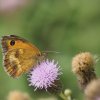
(19, 55)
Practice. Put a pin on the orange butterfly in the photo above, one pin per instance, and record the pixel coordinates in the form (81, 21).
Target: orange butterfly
(19, 55)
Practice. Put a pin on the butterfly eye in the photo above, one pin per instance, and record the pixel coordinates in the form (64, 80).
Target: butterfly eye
(12, 42)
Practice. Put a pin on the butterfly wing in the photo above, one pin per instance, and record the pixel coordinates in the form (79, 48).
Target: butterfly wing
(19, 61)
(20, 57)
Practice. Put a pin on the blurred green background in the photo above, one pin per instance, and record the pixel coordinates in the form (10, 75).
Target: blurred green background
(66, 26)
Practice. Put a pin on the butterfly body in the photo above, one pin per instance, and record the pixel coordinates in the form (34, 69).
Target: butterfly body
(19, 55)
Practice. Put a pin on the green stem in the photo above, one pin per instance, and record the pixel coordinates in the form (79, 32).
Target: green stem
(63, 96)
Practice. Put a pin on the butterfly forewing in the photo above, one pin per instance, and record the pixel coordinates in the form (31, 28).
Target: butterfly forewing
(19, 58)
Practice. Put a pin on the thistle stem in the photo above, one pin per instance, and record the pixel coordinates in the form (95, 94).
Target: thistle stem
(64, 97)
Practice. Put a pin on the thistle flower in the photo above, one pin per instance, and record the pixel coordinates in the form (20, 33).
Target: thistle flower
(44, 75)
(11, 5)
(67, 92)
(92, 91)
(66, 95)
(18, 95)
(83, 67)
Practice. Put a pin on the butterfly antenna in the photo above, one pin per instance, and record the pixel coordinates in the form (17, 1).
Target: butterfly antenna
(50, 52)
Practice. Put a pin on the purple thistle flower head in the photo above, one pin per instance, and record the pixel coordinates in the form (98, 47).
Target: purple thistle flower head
(44, 74)
(98, 98)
